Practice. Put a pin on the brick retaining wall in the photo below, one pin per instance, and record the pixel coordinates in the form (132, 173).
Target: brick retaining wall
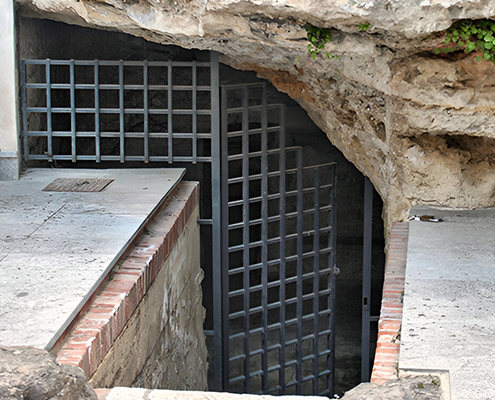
(388, 345)
(96, 329)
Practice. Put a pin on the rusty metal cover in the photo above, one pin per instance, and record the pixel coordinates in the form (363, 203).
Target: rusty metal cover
(77, 185)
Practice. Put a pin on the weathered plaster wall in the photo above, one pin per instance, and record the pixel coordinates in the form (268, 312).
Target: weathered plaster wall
(419, 125)
(9, 164)
(162, 345)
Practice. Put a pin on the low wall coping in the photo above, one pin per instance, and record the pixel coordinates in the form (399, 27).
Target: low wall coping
(92, 334)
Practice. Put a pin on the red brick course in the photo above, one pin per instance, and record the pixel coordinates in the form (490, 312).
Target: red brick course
(93, 332)
(388, 345)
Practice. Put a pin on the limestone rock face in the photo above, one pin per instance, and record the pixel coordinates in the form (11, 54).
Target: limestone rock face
(29, 373)
(420, 125)
(405, 388)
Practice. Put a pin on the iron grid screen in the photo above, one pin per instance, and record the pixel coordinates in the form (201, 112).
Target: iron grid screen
(278, 242)
(147, 111)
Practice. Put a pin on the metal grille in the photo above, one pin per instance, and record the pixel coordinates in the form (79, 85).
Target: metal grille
(116, 110)
(271, 223)
(278, 254)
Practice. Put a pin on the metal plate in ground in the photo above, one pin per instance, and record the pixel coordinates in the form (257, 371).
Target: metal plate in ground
(77, 185)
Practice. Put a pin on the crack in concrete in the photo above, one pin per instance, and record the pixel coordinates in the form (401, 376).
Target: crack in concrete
(33, 232)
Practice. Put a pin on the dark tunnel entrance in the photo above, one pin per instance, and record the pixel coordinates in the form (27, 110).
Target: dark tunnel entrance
(48, 141)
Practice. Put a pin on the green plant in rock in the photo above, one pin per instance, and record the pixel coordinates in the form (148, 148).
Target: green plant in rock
(472, 35)
(318, 38)
(363, 27)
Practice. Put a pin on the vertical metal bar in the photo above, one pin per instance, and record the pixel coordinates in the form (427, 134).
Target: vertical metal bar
(121, 111)
(282, 234)
(49, 128)
(97, 110)
(194, 112)
(169, 122)
(245, 233)
(25, 128)
(217, 224)
(73, 110)
(316, 279)
(225, 322)
(367, 239)
(332, 241)
(225, 241)
(299, 289)
(264, 239)
(146, 114)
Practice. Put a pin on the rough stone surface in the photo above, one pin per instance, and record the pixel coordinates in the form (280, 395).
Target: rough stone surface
(420, 387)
(29, 373)
(419, 125)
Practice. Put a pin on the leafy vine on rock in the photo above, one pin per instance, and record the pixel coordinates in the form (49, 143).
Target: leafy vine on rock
(471, 35)
(364, 27)
(318, 38)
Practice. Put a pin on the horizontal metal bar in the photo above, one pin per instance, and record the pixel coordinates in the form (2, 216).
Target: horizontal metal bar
(254, 331)
(240, 378)
(275, 240)
(257, 288)
(234, 86)
(107, 63)
(278, 325)
(292, 279)
(152, 111)
(202, 221)
(113, 86)
(275, 305)
(133, 135)
(277, 173)
(254, 267)
(261, 372)
(253, 353)
(274, 389)
(43, 157)
(241, 156)
(254, 131)
(275, 196)
(275, 218)
(253, 108)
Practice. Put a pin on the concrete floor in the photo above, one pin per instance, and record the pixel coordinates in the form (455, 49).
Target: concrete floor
(55, 247)
(449, 301)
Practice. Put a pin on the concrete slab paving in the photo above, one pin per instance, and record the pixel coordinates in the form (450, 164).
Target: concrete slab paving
(449, 300)
(55, 247)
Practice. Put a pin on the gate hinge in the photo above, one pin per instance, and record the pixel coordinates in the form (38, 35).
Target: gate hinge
(336, 270)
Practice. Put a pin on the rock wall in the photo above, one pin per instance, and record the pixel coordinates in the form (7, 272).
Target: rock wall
(419, 125)
(29, 373)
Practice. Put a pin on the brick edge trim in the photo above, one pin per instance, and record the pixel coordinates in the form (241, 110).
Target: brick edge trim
(386, 364)
(91, 336)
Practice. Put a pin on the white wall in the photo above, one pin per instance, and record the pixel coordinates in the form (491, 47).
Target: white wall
(9, 163)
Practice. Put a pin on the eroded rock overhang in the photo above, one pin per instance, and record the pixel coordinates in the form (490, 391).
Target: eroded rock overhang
(420, 125)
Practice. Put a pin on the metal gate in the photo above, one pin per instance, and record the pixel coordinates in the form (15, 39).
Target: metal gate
(278, 254)
(268, 213)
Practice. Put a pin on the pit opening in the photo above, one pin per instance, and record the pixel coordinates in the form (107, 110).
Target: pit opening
(65, 42)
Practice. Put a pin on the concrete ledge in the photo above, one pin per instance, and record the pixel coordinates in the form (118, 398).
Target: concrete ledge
(389, 327)
(122, 393)
(449, 299)
(92, 335)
